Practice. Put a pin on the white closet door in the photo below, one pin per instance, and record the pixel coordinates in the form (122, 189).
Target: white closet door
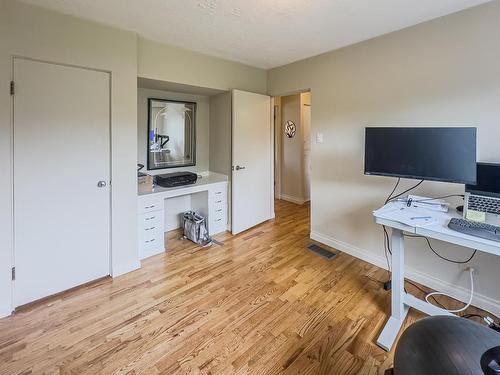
(61, 152)
(252, 196)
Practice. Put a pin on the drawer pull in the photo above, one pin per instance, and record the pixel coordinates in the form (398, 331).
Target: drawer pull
(218, 201)
(152, 240)
(219, 210)
(150, 218)
(218, 192)
(150, 228)
(218, 220)
(148, 207)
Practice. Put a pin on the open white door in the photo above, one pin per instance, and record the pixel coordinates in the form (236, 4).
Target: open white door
(252, 160)
(61, 177)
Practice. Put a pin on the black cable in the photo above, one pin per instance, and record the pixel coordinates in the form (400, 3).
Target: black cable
(439, 255)
(387, 242)
(407, 190)
(393, 190)
(468, 316)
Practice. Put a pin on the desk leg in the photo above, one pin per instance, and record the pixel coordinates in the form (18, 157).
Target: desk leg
(398, 309)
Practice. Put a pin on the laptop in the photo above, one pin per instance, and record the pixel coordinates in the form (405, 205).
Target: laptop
(483, 199)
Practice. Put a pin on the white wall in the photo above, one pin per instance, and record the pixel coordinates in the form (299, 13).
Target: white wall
(440, 73)
(202, 127)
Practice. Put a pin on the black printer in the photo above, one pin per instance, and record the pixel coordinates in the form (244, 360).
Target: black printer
(175, 179)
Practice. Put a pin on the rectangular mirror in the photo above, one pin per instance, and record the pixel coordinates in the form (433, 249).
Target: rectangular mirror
(171, 134)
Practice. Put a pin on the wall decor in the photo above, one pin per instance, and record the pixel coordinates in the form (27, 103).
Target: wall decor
(290, 129)
(171, 134)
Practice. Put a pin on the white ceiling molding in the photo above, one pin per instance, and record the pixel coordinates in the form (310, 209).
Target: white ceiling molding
(260, 33)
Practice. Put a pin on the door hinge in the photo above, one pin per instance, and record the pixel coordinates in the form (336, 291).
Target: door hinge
(13, 273)
(12, 88)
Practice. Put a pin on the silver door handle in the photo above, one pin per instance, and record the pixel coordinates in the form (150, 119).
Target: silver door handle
(239, 167)
(101, 184)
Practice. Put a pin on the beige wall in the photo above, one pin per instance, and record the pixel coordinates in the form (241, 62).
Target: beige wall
(220, 133)
(440, 73)
(167, 63)
(202, 127)
(40, 34)
(291, 161)
(294, 152)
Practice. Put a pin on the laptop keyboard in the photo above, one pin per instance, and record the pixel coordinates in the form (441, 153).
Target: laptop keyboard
(484, 204)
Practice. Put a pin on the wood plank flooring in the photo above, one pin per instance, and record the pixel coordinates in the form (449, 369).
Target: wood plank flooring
(261, 304)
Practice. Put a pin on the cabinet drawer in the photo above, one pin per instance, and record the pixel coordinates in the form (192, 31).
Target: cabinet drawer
(150, 219)
(217, 225)
(218, 211)
(218, 221)
(218, 194)
(151, 241)
(148, 203)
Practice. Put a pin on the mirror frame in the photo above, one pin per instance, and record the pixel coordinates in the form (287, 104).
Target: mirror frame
(193, 136)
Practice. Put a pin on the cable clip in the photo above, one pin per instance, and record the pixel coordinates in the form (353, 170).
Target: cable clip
(409, 201)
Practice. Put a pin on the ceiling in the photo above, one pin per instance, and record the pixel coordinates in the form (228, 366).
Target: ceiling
(260, 33)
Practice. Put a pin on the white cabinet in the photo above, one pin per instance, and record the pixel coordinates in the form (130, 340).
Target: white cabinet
(217, 209)
(150, 221)
(209, 196)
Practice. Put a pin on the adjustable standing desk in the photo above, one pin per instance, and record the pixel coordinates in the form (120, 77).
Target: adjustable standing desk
(400, 300)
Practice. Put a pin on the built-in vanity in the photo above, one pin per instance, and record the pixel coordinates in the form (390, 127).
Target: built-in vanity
(160, 210)
(182, 128)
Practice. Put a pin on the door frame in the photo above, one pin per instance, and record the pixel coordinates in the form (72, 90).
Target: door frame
(277, 148)
(275, 137)
(12, 182)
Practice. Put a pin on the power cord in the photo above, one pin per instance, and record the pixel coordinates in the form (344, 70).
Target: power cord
(387, 243)
(404, 192)
(439, 255)
(471, 272)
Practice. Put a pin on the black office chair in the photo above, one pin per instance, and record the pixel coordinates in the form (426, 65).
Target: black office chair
(447, 345)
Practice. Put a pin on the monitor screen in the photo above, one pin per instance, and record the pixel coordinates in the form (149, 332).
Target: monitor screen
(488, 180)
(438, 154)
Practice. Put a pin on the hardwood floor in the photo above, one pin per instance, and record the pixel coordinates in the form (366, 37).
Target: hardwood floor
(261, 304)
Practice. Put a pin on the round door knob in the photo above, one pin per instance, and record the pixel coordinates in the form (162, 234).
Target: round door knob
(239, 167)
(101, 184)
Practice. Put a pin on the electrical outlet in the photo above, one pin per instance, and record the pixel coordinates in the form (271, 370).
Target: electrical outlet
(466, 268)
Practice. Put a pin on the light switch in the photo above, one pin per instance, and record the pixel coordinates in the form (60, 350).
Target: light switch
(319, 137)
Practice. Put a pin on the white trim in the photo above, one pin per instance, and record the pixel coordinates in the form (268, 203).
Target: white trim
(460, 293)
(290, 198)
(125, 268)
(271, 157)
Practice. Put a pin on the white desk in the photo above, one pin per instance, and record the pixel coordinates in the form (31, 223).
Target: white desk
(400, 300)
(207, 196)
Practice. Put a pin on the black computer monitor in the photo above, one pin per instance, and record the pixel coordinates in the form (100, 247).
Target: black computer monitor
(488, 180)
(438, 154)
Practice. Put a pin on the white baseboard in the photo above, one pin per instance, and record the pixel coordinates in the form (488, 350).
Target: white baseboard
(462, 294)
(292, 199)
(125, 268)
